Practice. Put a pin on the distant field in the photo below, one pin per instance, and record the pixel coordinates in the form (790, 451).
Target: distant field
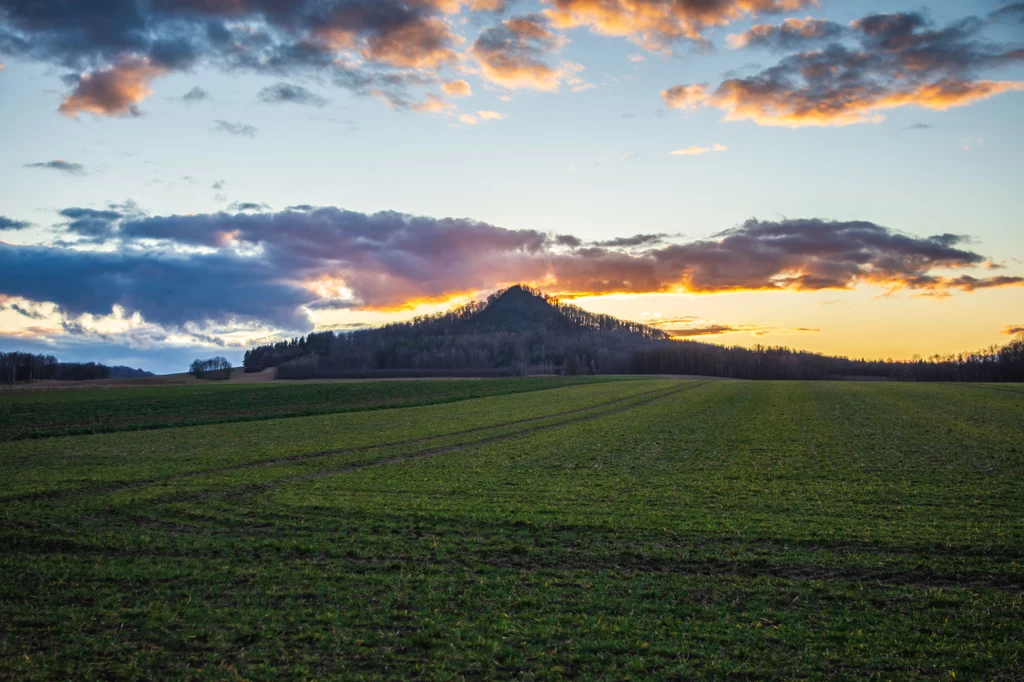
(36, 414)
(645, 529)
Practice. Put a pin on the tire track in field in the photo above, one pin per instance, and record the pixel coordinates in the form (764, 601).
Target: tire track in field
(1002, 389)
(293, 459)
(252, 488)
(416, 441)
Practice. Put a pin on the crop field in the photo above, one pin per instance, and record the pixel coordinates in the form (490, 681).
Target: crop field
(638, 529)
(67, 413)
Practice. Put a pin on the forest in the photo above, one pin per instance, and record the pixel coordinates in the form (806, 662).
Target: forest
(17, 367)
(519, 331)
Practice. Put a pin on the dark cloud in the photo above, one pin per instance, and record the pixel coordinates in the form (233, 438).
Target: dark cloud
(248, 206)
(790, 35)
(196, 94)
(234, 128)
(634, 241)
(25, 312)
(706, 330)
(386, 259)
(59, 165)
(113, 50)
(920, 126)
(12, 224)
(165, 289)
(286, 93)
(1013, 13)
(900, 60)
(87, 222)
(269, 267)
(568, 240)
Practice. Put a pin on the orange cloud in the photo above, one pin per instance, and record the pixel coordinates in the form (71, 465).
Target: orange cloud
(422, 44)
(473, 119)
(459, 88)
(746, 102)
(901, 61)
(432, 104)
(696, 151)
(1013, 329)
(713, 329)
(455, 6)
(512, 54)
(114, 91)
(655, 24)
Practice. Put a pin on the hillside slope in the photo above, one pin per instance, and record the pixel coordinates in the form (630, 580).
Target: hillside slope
(515, 331)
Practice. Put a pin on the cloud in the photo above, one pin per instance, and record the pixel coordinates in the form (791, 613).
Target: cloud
(113, 91)
(631, 242)
(1011, 13)
(900, 60)
(266, 268)
(196, 94)
(712, 329)
(91, 223)
(513, 54)
(286, 93)
(240, 129)
(969, 143)
(457, 88)
(790, 35)
(697, 151)
(111, 52)
(1013, 329)
(25, 312)
(12, 224)
(919, 126)
(656, 24)
(248, 206)
(433, 104)
(60, 165)
(164, 289)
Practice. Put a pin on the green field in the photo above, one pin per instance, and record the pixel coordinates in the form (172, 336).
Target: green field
(643, 529)
(26, 414)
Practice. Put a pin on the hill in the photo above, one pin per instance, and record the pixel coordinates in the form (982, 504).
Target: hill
(122, 372)
(516, 331)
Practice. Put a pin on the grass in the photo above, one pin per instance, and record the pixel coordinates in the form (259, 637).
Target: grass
(64, 413)
(650, 529)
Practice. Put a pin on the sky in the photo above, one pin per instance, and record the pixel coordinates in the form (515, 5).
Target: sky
(188, 178)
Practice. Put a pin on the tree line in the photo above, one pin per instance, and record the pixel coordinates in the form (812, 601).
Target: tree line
(16, 367)
(996, 363)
